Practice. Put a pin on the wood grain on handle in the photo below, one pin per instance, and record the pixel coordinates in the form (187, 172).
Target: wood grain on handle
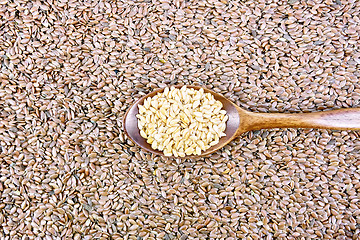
(341, 119)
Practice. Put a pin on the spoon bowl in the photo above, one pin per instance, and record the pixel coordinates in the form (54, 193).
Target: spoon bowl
(241, 121)
(132, 130)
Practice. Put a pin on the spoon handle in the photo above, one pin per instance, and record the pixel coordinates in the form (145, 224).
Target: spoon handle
(341, 119)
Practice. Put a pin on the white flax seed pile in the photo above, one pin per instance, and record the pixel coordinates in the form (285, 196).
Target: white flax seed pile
(69, 70)
(182, 122)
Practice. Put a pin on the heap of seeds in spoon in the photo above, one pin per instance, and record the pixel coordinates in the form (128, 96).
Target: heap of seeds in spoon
(182, 122)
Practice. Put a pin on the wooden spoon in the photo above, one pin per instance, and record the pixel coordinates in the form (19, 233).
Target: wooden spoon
(241, 121)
